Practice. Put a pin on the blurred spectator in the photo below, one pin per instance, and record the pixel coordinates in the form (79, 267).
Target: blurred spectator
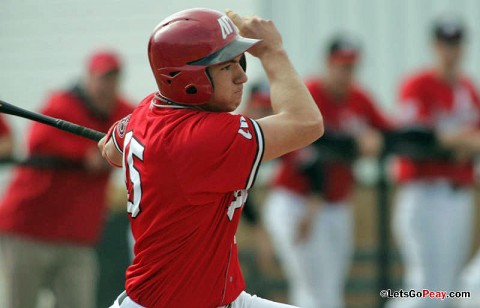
(309, 213)
(6, 142)
(258, 106)
(258, 101)
(52, 213)
(433, 212)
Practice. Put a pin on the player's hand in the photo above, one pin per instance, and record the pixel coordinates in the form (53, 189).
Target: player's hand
(307, 223)
(110, 152)
(465, 144)
(304, 229)
(265, 253)
(370, 143)
(258, 28)
(101, 144)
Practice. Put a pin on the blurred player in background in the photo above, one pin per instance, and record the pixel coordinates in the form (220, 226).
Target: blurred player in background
(258, 103)
(53, 210)
(6, 149)
(434, 204)
(6, 140)
(310, 216)
(257, 106)
(189, 162)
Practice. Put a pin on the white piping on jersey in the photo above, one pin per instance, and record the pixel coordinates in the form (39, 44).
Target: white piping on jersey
(168, 106)
(115, 140)
(253, 172)
(169, 103)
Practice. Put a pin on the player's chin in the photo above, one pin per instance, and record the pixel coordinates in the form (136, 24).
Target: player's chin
(233, 107)
(235, 102)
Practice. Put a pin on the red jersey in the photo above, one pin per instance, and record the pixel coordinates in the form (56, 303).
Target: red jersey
(187, 175)
(351, 116)
(60, 205)
(4, 130)
(427, 100)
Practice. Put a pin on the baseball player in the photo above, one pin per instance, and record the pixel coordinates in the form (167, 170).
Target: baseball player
(434, 204)
(6, 142)
(310, 222)
(189, 162)
(52, 213)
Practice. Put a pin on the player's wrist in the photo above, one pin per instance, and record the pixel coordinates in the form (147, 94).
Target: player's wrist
(275, 52)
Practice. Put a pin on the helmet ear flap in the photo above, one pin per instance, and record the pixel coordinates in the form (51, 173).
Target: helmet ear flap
(243, 62)
(191, 85)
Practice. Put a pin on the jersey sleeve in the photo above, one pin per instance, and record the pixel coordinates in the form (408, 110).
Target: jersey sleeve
(475, 100)
(117, 133)
(47, 140)
(4, 129)
(219, 153)
(375, 117)
(412, 106)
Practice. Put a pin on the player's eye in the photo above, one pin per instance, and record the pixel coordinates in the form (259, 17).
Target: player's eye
(227, 68)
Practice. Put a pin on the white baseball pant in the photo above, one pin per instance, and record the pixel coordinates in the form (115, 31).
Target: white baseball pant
(470, 281)
(432, 223)
(317, 269)
(244, 300)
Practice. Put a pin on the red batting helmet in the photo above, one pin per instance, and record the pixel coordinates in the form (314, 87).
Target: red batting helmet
(184, 44)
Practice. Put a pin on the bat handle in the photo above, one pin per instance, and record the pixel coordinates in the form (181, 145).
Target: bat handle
(80, 130)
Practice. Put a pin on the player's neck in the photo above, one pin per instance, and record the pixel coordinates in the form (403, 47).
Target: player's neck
(446, 73)
(334, 90)
(104, 105)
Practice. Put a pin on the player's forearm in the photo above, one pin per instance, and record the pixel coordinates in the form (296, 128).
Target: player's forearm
(462, 141)
(288, 92)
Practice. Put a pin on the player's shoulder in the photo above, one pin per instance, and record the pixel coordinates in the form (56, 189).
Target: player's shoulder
(313, 83)
(62, 103)
(217, 123)
(124, 105)
(144, 105)
(419, 78)
(212, 129)
(466, 80)
(209, 117)
(359, 91)
(60, 97)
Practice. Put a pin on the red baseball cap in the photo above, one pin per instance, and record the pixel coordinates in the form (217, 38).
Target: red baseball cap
(102, 62)
(343, 49)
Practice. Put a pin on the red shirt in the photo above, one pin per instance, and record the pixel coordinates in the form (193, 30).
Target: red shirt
(59, 205)
(352, 115)
(427, 100)
(187, 174)
(4, 130)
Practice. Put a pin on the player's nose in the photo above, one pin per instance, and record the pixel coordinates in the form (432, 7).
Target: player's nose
(240, 75)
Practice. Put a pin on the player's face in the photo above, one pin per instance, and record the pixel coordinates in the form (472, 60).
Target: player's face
(228, 79)
(103, 89)
(341, 74)
(449, 54)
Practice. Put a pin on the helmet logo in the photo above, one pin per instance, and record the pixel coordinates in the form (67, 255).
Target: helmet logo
(225, 26)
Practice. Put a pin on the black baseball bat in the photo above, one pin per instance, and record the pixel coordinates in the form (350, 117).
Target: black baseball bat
(58, 123)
